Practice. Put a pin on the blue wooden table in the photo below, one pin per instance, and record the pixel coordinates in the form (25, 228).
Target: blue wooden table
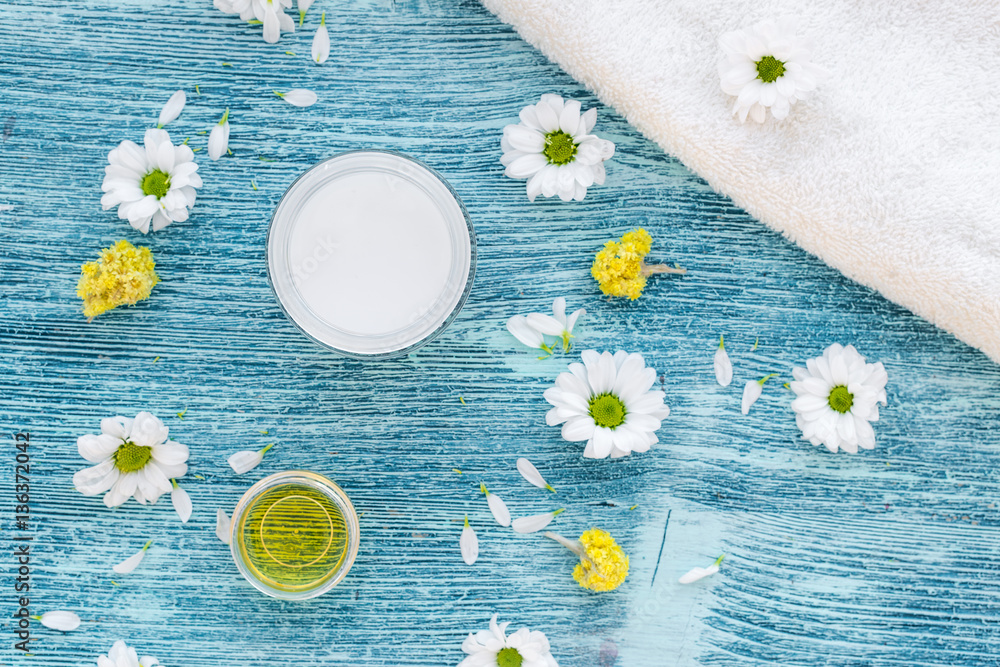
(890, 557)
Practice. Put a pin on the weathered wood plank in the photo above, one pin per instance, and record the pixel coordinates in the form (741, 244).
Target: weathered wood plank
(887, 558)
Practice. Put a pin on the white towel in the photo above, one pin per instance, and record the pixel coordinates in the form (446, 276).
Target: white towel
(889, 171)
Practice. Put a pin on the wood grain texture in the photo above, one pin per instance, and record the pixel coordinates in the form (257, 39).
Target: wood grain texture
(891, 557)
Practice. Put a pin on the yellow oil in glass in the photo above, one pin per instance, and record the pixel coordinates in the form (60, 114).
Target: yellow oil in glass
(294, 537)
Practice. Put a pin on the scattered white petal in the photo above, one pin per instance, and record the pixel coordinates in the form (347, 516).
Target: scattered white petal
(696, 573)
(173, 108)
(321, 42)
(182, 502)
(469, 544)
(723, 367)
(751, 392)
(519, 327)
(122, 655)
(530, 473)
(246, 460)
(299, 97)
(535, 523)
(497, 506)
(66, 621)
(218, 140)
(223, 527)
(132, 562)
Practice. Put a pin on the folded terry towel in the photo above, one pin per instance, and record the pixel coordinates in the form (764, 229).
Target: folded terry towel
(889, 171)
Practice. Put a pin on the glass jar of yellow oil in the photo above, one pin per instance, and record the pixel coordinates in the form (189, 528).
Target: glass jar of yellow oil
(294, 535)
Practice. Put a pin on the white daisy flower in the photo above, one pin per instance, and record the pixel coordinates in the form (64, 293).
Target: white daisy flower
(723, 367)
(552, 147)
(497, 506)
(134, 458)
(299, 97)
(269, 12)
(155, 183)
(64, 621)
(469, 544)
(321, 42)
(223, 526)
(767, 66)
(557, 324)
(218, 140)
(247, 460)
(122, 655)
(530, 473)
(129, 564)
(837, 396)
(524, 648)
(699, 573)
(181, 501)
(607, 401)
(172, 109)
(534, 523)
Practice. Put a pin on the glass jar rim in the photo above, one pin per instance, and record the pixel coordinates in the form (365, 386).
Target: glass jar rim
(318, 483)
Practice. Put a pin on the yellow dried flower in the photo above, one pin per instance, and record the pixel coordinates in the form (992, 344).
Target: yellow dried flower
(604, 565)
(123, 275)
(619, 268)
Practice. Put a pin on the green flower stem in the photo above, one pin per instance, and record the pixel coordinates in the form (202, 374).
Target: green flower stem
(766, 378)
(718, 561)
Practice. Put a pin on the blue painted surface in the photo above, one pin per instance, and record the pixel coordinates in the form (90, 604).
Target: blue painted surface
(887, 558)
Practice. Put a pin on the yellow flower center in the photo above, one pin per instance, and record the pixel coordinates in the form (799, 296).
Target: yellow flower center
(130, 457)
(559, 148)
(607, 410)
(840, 399)
(509, 657)
(770, 69)
(605, 566)
(156, 183)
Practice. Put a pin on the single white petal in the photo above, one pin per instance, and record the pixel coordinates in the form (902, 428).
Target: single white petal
(96, 448)
(321, 45)
(223, 527)
(245, 461)
(499, 509)
(751, 392)
(530, 473)
(272, 27)
(66, 621)
(518, 326)
(533, 524)
(300, 97)
(545, 324)
(696, 573)
(469, 544)
(723, 367)
(130, 563)
(304, 5)
(218, 141)
(148, 430)
(182, 503)
(172, 109)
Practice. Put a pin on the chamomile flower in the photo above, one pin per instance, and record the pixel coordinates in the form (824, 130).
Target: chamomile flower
(603, 565)
(152, 185)
(607, 401)
(494, 648)
(620, 268)
(134, 457)
(767, 66)
(269, 12)
(123, 275)
(122, 655)
(552, 147)
(837, 396)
